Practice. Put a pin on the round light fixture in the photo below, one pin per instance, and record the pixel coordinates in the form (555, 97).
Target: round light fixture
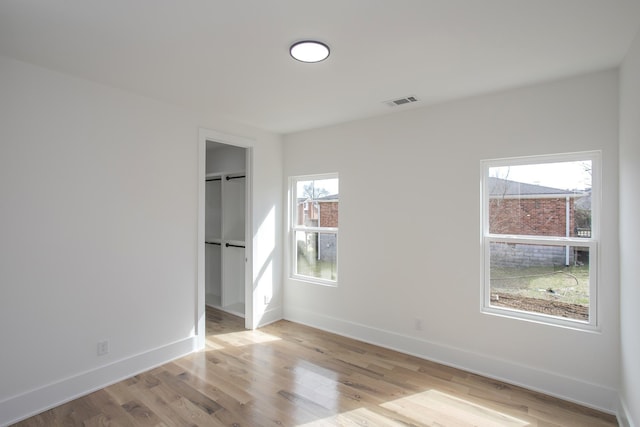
(309, 51)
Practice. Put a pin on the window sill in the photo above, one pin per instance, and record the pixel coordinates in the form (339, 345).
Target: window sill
(314, 280)
(541, 319)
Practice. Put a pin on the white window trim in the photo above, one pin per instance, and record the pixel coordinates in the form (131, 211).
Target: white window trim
(293, 228)
(487, 238)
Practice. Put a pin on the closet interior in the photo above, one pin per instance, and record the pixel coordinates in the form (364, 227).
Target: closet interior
(225, 227)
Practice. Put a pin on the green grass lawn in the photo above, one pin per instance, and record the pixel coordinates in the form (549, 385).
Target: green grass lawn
(319, 269)
(564, 284)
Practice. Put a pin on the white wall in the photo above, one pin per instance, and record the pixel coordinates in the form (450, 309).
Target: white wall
(98, 193)
(409, 243)
(630, 232)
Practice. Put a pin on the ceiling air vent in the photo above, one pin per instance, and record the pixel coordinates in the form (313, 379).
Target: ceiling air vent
(401, 101)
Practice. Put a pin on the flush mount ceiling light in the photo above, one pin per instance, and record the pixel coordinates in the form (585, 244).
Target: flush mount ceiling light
(309, 51)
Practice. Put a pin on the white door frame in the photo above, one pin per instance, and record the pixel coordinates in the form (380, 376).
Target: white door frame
(205, 135)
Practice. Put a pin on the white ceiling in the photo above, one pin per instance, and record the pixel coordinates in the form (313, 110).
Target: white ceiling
(230, 58)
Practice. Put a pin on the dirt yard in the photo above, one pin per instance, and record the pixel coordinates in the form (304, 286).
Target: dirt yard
(550, 307)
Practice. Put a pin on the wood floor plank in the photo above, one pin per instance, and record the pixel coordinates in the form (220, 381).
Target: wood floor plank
(111, 413)
(261, 407)
(287, 374)
(74, 413)
(155, 398)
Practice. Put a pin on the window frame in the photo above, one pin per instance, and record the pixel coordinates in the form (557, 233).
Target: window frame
(293, 228)
(592, 242)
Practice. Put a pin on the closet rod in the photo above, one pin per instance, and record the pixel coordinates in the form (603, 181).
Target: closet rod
(235, 177)
(234, 246)
(213, 243)
(214, 179)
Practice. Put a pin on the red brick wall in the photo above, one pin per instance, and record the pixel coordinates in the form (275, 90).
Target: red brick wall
(328, 214)
(535, 217)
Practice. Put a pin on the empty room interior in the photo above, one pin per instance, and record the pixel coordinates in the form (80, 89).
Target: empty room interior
(434, 222)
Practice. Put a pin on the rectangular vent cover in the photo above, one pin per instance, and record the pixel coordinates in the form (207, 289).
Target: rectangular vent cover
(401, 101)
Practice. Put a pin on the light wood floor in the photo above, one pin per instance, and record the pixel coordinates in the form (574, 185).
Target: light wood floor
(286, 374)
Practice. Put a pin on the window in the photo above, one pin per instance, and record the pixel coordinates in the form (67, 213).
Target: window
(314, 228)
(540, 238)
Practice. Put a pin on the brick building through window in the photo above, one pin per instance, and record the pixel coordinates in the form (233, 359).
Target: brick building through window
(527, 209)
(517, 208)
(315, 228)
(320, 212)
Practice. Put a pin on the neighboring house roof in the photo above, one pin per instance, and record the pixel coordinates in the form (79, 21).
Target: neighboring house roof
(505, 187)
(330, 197)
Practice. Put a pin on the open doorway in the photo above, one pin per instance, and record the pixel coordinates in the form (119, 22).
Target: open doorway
(224, 227)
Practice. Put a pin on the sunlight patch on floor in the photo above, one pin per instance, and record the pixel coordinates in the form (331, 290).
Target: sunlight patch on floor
(357, 417)
(238, 339)
(210, 345)
(435, 406)
(317, 384)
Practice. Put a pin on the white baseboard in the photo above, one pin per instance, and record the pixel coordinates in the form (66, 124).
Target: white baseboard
(270, 316)
(624, 416)
(33, 402)
(571, 389)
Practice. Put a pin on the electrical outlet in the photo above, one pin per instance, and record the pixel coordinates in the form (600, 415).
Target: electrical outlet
(418, 324)
(103, 347)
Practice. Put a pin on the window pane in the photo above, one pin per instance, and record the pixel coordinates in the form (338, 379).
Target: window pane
(535, 278)
(317, 203)
(316, 255)
(548, 199)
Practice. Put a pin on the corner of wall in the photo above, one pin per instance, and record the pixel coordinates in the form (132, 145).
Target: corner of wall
(629, 172)
(622, 413)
